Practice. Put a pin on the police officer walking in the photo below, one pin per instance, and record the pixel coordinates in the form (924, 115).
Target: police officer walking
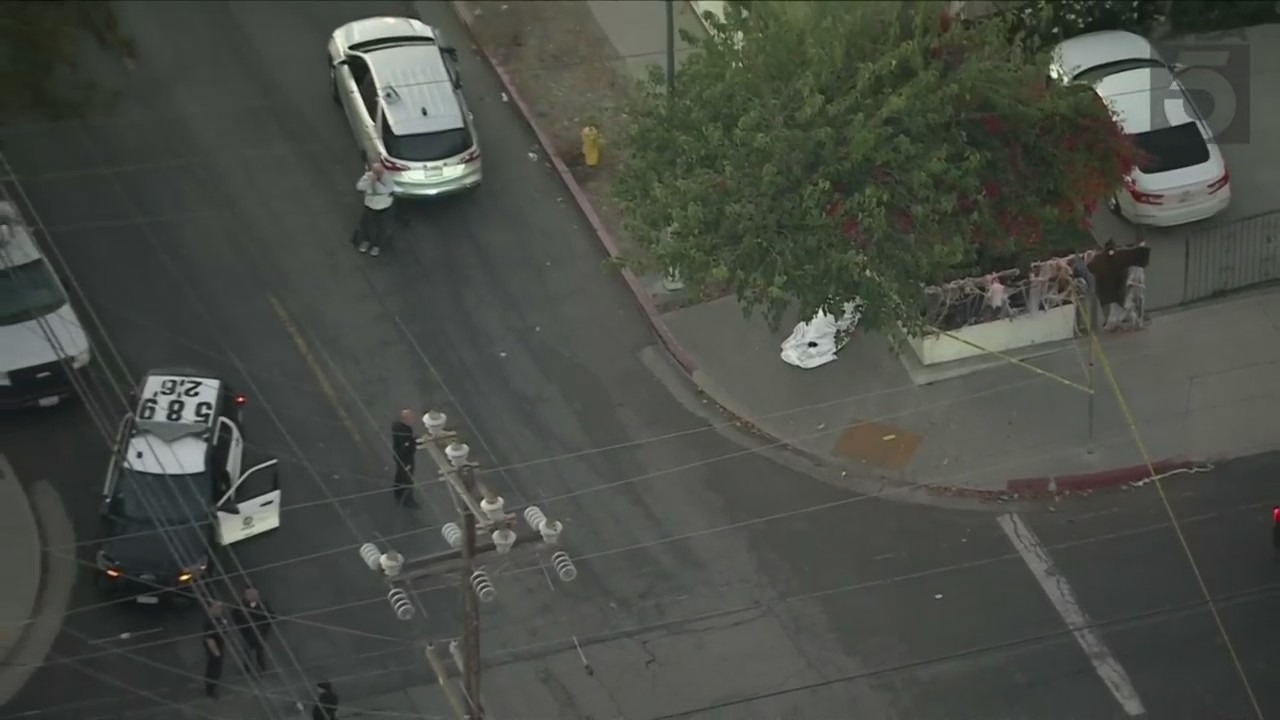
(214, 640)
(403, 447)
(326, 705)
(254, 620)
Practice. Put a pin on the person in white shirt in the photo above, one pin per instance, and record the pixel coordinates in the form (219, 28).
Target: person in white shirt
(377, 220)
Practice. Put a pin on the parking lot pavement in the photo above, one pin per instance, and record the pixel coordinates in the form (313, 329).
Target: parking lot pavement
(1130, 572)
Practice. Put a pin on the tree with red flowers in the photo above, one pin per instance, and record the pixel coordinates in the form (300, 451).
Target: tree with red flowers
(814, 153)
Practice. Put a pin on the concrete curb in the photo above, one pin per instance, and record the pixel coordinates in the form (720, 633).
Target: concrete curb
(26, 562)
(1029, 487)
(60, 571)
(1102, 479)
(642, 296)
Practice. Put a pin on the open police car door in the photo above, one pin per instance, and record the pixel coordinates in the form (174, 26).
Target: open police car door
(251, 506)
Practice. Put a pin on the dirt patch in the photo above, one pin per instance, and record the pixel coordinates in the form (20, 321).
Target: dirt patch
(569, 73)
(878, 444)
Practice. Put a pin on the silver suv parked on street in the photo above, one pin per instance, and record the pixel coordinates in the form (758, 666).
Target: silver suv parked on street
(399, 85)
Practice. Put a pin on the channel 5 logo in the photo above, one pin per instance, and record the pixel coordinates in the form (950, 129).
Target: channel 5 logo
(1215, 73)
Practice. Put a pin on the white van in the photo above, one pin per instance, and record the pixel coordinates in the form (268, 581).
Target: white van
(42, 343)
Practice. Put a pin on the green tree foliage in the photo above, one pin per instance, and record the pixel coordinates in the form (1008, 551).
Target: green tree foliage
(845, 152)
(39, 46)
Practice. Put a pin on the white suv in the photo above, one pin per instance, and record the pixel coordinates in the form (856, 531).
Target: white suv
(399, 85)
(42, 343)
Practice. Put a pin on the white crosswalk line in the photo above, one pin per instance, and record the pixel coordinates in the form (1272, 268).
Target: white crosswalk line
(1064, 601)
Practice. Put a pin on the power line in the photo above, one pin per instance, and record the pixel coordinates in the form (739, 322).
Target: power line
(1199, 604)
(1244, 595)
(331, 500)
(778, 602)
(749, 419)
(165, 530)
(814, 508)
(775, 444)
(181, 556)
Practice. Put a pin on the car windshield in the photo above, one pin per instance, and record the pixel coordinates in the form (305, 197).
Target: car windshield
(161, 499)
(426, 147)
(28, 291)
(1171, 148)
(382, 43)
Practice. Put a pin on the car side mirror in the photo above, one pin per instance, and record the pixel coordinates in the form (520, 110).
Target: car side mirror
(452, 52)
(1178, 68)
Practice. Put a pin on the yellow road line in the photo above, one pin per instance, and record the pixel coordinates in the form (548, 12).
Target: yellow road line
(321, 377)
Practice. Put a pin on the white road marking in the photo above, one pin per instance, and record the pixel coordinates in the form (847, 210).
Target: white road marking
(1064, 601)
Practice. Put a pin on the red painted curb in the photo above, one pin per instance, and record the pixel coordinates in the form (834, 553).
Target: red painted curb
(1115, 477)
(642, 296)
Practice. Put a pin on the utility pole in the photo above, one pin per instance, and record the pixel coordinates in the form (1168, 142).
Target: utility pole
(1092, 312)
(481, 509)
(671, 46)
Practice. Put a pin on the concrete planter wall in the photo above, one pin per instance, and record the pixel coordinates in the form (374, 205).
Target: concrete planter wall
(1013, 333)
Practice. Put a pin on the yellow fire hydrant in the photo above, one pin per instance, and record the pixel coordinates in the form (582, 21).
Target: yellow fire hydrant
(591, 146)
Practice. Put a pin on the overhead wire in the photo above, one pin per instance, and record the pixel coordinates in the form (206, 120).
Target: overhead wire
(1185, 545)
(77, 382)
(1254, 592)
(330, 501)
(255, 627)
(771, 444)
(906, 487)
(968, 564)
(774, 603)
(155, 511)
(110, 440)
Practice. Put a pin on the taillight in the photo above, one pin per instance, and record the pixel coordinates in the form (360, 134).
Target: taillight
(241, 400)
(1221, 182)
(1275, 515)
(470, 156)
(390, 164)
(1141, 197)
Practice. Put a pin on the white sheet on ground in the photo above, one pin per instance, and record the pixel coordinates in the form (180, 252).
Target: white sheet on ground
(815, 343)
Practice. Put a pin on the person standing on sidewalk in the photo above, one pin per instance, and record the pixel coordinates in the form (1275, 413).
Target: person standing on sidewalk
(214, 640)
(403, 448)
(376, 220)
(253, 619)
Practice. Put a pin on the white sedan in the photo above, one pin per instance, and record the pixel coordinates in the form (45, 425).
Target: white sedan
(1183, 177)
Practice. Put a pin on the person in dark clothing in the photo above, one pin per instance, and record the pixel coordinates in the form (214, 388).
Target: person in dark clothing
(214, 640)
(403, 447)
(254, 619)
(326, 706)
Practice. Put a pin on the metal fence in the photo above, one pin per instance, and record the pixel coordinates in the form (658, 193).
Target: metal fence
(1231, 257)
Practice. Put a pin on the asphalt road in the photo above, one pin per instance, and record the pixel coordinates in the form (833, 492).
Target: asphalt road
(206, 222)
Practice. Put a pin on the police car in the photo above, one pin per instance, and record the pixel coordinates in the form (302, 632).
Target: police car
(178, 488)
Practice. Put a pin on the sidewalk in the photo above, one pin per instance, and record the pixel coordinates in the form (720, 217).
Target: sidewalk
(1200, 383)
(1197, 384)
